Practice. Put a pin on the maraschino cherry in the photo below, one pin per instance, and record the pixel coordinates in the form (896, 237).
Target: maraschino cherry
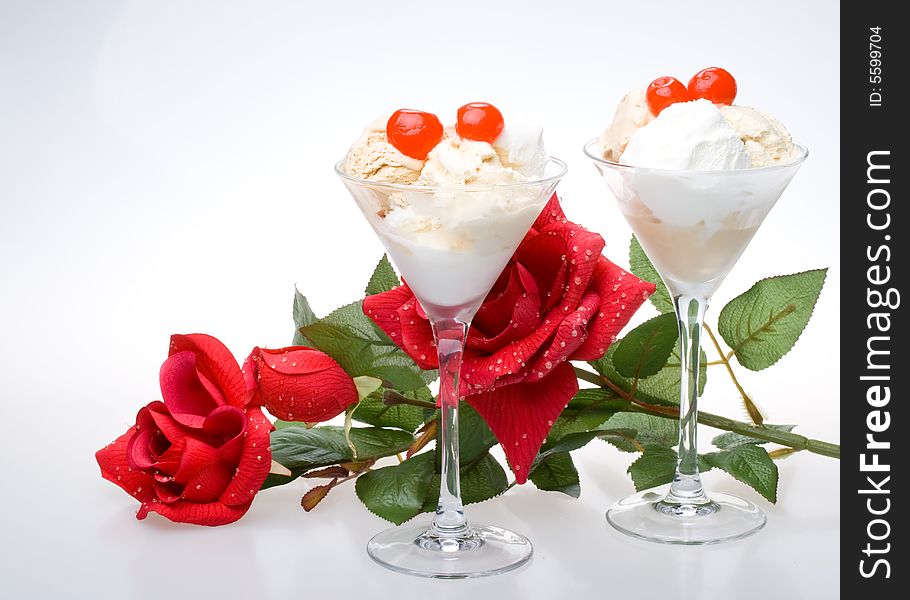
(479, 121)
(665, 91)
(714, 84)
(414, 132)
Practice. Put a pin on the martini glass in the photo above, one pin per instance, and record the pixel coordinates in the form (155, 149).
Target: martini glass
(450, 243)
(694, 226)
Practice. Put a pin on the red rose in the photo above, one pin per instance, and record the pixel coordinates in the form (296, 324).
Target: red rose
(299, 383)
(202, 454)
(558, 299)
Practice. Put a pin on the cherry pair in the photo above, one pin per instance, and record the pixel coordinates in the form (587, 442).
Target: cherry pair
(714, 84)
(414, 132)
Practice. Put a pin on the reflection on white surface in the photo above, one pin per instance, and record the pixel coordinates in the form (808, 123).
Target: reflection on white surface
(167, 167)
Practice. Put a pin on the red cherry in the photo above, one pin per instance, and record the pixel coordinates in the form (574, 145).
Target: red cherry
(479, 121)
(413, 132)
(665, 91)
(714, 84)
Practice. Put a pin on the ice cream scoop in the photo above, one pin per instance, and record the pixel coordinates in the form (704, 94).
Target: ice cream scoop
(631, 114)
(457, 161)
(687, 135)
(767, 141)
(373, 157)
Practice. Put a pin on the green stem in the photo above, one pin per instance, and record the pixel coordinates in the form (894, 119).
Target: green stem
(751, 409)
(391, 398)
(784, 438)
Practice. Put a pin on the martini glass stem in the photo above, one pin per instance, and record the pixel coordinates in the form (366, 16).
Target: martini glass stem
(687, 487)
(450, 335)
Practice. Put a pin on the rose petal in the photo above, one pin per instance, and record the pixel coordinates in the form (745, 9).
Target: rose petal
(255, 461)
(521, 415)
(386, 308)
(208, 483)
(215, 362)
(294, 360)
(163, 421)
(196, 456)
(185, 396)
(226, 426)
(169, 462)
(507, 315)
(138, 449)
(168, 491)
(114, 467)
(545, 256)
(621, 295)
(210, 514)
(416, 334)
(570, 335)
(482, 373)
(551, 213)
(224, 423)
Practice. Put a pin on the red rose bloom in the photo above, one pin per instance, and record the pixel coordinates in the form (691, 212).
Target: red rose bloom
(557, 300)
(299, 383)
(202, 454)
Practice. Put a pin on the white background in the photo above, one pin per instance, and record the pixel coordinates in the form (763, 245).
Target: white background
(167, 167)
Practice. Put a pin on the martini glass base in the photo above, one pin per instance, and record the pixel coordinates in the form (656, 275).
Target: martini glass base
(647, 516)
(416, 550)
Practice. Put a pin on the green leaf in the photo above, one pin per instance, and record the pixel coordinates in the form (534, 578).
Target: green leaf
(383, 278)
(656, 466)
(661, 388)
(588, 409)
(763, 324)
(644, 350)
(374, 411)
(354, 341)
(729, 440)
(375, 442)
(303, 316)
(481, 480)
(474, 435)
(751, 465)
(557, 473)
(643, 269)
(397, 493)
(567, 443)
(647, 430)
(301, 449)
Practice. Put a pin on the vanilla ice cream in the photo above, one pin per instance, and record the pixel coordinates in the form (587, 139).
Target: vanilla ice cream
(452, 221)
(373, 157)
(767, 141)
(687, 135)
(631, 114)
(456, 161)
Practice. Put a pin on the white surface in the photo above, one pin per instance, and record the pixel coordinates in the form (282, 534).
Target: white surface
(167, 167)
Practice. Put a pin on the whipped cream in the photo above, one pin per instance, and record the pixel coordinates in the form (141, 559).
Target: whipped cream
(687, 136)
(520, 147)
